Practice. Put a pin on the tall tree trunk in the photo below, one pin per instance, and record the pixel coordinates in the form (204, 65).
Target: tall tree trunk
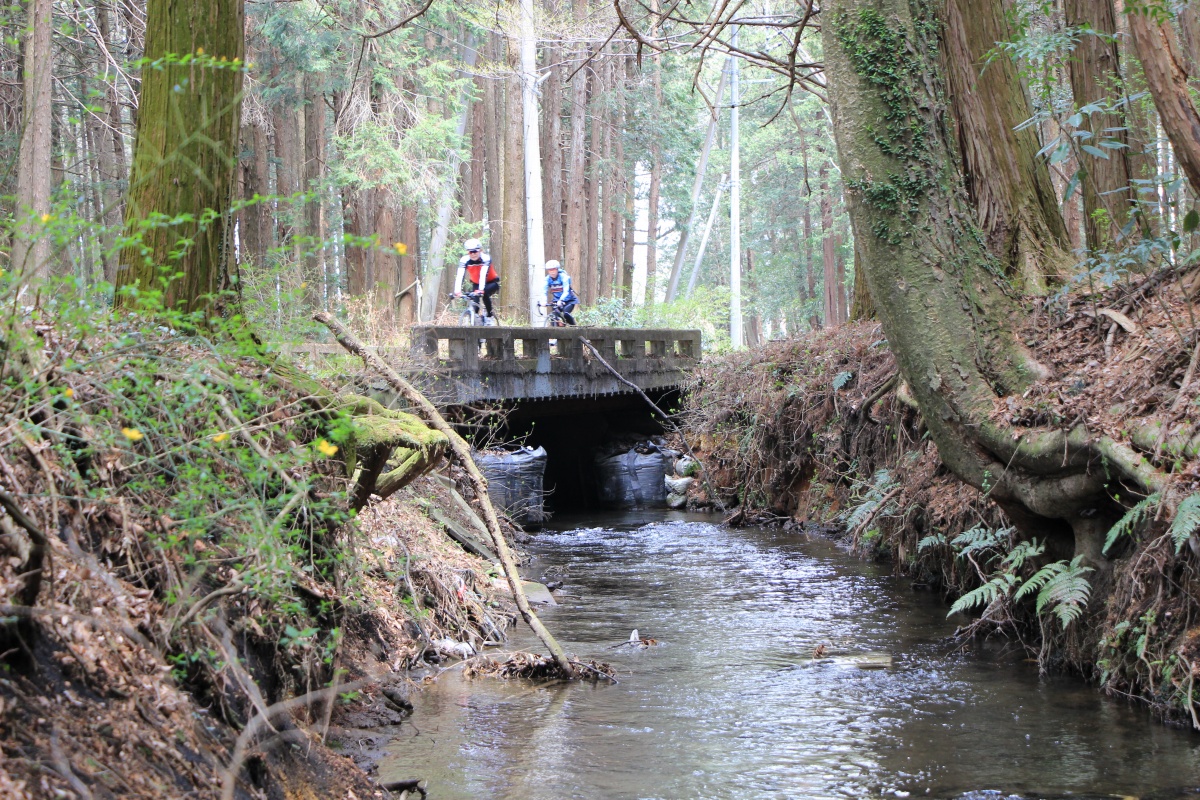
(607, 218)
(254, 215)
(828, 251)
(358, 214)
(385, 273)
(1008, 184)
(185, 169)
(314, 206)
(1166, 78)
(552, 156)
(630, 240)
(111, 149)
(576, 199)
(286, 145)
(1108, 197)
(473, 206)
(950, 323)
(622, 185)
(494, 151)
(592, 219)
(31, 246)
(514, 286)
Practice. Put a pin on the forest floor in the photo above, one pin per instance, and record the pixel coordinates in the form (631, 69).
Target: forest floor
(207, 617)
(820, 430)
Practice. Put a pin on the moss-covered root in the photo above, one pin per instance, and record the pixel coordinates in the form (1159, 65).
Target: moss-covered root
(380, 436)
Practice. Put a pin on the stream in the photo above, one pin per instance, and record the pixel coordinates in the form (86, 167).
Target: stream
(731, 703)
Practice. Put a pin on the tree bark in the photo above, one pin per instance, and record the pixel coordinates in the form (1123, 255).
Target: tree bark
(607, 218)
(828, 252)
(948, 314)
(591, 233)
(552, 156)
(514, 291)
(1108, 197)
(314, 205)
(31, 246)
(183, 170)
(494, 96)
(1008, 184)
(255, 237)
(1166, 77)
(576, 199)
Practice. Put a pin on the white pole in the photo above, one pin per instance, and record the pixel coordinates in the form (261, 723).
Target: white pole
(712, 217)
(533, 158)
(701, 166)
(735, 210)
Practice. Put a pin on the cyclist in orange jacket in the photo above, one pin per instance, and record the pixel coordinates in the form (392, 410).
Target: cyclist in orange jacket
(477, 267)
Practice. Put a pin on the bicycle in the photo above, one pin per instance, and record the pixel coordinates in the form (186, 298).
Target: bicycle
(555, 316)
(473, 315)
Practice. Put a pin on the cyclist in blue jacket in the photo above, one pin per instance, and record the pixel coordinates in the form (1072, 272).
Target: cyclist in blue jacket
(559, 292)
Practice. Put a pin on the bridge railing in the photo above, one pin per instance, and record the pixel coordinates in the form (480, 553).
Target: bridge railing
(628, 349)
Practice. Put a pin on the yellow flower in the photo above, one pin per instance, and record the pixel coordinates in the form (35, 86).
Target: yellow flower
(133, 434)
(220, 437)
(47, 217)
(303, 284)
(199, 51)
(401, 248)
(69, 392)
(327, 449)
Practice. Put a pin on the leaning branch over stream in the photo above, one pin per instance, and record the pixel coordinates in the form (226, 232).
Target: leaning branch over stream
(462, 451)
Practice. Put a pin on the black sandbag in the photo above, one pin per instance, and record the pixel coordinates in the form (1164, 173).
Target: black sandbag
(633, 479)
(515, 482)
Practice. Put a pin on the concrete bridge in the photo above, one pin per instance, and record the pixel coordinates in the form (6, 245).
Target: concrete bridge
(487, 364)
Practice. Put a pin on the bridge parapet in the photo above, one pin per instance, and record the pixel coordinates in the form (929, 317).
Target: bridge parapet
(512, 363)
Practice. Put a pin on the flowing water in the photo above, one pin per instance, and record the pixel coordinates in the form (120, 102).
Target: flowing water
(731, 703)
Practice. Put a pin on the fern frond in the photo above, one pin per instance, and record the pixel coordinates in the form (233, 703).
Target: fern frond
(980, 538)
(1022, 553)
(1132, 519)
(1186, 522)
(985, 595)
(933, 540)
(1066, 594)
(1040, 579)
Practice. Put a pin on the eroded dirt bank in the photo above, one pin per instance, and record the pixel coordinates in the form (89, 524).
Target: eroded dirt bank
(821, 430)
(189, 608)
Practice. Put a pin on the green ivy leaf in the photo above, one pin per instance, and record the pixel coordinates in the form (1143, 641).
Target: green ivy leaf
(1191, 221)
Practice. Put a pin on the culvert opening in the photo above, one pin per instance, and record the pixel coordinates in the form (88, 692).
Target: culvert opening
(573, 432)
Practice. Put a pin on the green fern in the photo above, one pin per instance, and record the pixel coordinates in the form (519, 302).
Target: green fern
(1022, 553)
(1132, 519)
(1186, 522)
(1066, 593)
(999, 586)
(933, 540)
(980, 538)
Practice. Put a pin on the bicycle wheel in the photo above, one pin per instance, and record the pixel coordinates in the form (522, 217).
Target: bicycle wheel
(466, 318)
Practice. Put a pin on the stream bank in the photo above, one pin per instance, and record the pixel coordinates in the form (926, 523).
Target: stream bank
(821, 430)
(188, 602)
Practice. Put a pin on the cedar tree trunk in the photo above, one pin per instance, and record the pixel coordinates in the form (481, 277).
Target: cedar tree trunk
(185, 153)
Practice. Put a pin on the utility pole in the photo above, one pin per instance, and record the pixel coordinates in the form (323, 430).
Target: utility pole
(536, 254)
(735, 208)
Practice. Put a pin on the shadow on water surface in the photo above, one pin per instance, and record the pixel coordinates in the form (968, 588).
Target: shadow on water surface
(732, 704)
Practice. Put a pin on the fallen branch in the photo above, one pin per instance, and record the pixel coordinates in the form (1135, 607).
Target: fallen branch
(670, 422)
(462, 451)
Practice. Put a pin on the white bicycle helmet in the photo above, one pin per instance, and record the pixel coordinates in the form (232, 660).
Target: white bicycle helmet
(552, 264)
(472, 244)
